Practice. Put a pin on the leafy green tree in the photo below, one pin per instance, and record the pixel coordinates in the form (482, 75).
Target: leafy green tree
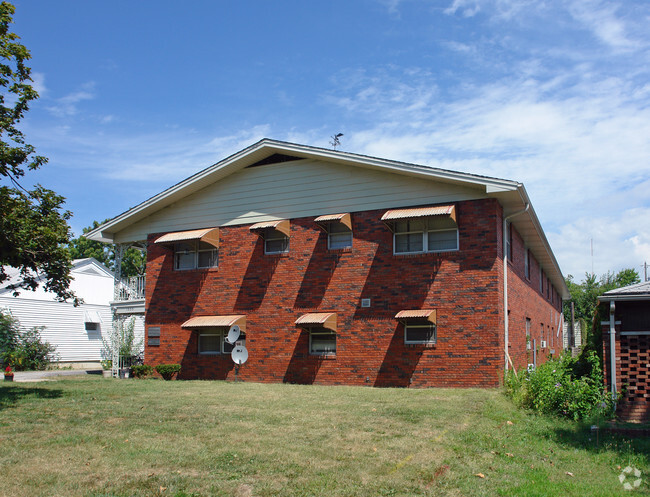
(585, 300)
(33, 224)
(133, 260)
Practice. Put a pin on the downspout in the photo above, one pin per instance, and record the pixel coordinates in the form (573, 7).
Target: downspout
(612, 346)
(505, 284)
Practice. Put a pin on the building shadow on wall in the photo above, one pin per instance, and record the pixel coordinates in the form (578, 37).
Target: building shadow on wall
(318, 275)
(259, 271)
(393, 286)
(195, 366)
(400, 362)
(169, 300)
(303, 367)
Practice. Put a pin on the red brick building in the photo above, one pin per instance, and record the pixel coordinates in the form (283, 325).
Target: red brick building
(344, 269)
(627, 371)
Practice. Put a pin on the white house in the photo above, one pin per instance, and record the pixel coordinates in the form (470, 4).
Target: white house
(76, 332)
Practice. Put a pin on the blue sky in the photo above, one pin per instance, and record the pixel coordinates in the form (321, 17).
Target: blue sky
(136, 96)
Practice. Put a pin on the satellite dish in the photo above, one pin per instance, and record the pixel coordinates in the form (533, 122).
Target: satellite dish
(239, 355)
(233, 334)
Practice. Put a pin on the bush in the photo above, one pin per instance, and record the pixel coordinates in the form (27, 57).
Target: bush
(23, 350)
(123, 341)
(567, 387)
(167, 371)
(142, 371)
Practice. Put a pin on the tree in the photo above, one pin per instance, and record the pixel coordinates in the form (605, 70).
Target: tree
(133, 260)
(33, 224)
(585, 300)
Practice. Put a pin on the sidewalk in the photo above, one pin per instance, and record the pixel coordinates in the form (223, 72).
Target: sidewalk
(29, 376)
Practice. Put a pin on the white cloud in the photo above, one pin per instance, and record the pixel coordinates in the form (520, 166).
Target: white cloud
(67, 105)
(601, 18)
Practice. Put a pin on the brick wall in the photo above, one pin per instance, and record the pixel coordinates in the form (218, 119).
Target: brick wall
(464, 287)
(526, 301)
(632, 373)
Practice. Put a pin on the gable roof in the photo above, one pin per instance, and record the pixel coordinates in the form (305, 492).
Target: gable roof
(511, 194)
(89, 265)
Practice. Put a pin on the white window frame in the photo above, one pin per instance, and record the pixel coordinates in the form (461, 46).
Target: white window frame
(272, 234)
(425, 236)
(432, 341)
(321, 331)
(529, 338)
(346, 231)
(196, 250)
(219, 332)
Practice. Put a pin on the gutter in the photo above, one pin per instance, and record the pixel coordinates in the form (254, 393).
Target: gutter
(507, 358)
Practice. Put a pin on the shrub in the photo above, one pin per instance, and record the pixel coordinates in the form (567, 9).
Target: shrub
(167, 371)
(142, 371)
(24, 350)
(566, 387)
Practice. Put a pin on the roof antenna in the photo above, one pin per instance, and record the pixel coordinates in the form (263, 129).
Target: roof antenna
(335, 140)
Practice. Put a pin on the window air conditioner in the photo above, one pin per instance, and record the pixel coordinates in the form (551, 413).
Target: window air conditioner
(543, 344)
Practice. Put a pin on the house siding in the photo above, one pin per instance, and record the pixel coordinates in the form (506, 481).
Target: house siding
(465, 288)
(292, 190)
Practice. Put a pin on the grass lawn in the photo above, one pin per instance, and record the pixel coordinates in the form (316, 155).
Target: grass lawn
(104, 437)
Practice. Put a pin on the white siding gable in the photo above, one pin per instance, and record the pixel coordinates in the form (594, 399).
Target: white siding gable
(295, 189)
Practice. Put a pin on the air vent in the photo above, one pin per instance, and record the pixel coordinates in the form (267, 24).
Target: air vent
(365, 302)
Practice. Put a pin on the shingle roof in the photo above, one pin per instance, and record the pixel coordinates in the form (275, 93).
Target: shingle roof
(630, 291)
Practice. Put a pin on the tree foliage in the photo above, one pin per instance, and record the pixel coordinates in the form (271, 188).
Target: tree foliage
(33, 224)
(133, 260)
(584, 296)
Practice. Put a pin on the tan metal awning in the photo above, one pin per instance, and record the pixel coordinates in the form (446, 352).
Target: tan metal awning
(281, 225)
(210, 321)
(344, 219)
(324, 319)
(437, 210)
(208, 235)
(426, 314)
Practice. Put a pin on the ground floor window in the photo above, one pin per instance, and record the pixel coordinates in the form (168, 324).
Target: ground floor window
(212, 341)
(420, 333)
(322, 341)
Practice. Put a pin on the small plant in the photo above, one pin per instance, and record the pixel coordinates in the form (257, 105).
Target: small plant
(167, 371)
(9, 372)
(107, 364)
(566, 387)
(142, 371)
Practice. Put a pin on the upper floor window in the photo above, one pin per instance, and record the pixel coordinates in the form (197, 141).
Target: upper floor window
(423, 229)
(195, 254)
(338, 228)
(339, 236)
(509, 241)
(428, 234)
(527, 263)
(275, 235)
(275, 242)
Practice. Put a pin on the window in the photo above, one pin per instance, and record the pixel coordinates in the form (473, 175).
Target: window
(416, 333)
(427, 234)
(509, 241)
(528, 329)
(541, 281)
(339, 236)
(527, 264)
(322, 341)
(195, 255)
(92, 326)
(548, 288)
(212, 341)
(275, 242)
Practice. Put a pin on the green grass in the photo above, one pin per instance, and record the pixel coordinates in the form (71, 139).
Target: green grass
(105, 437)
